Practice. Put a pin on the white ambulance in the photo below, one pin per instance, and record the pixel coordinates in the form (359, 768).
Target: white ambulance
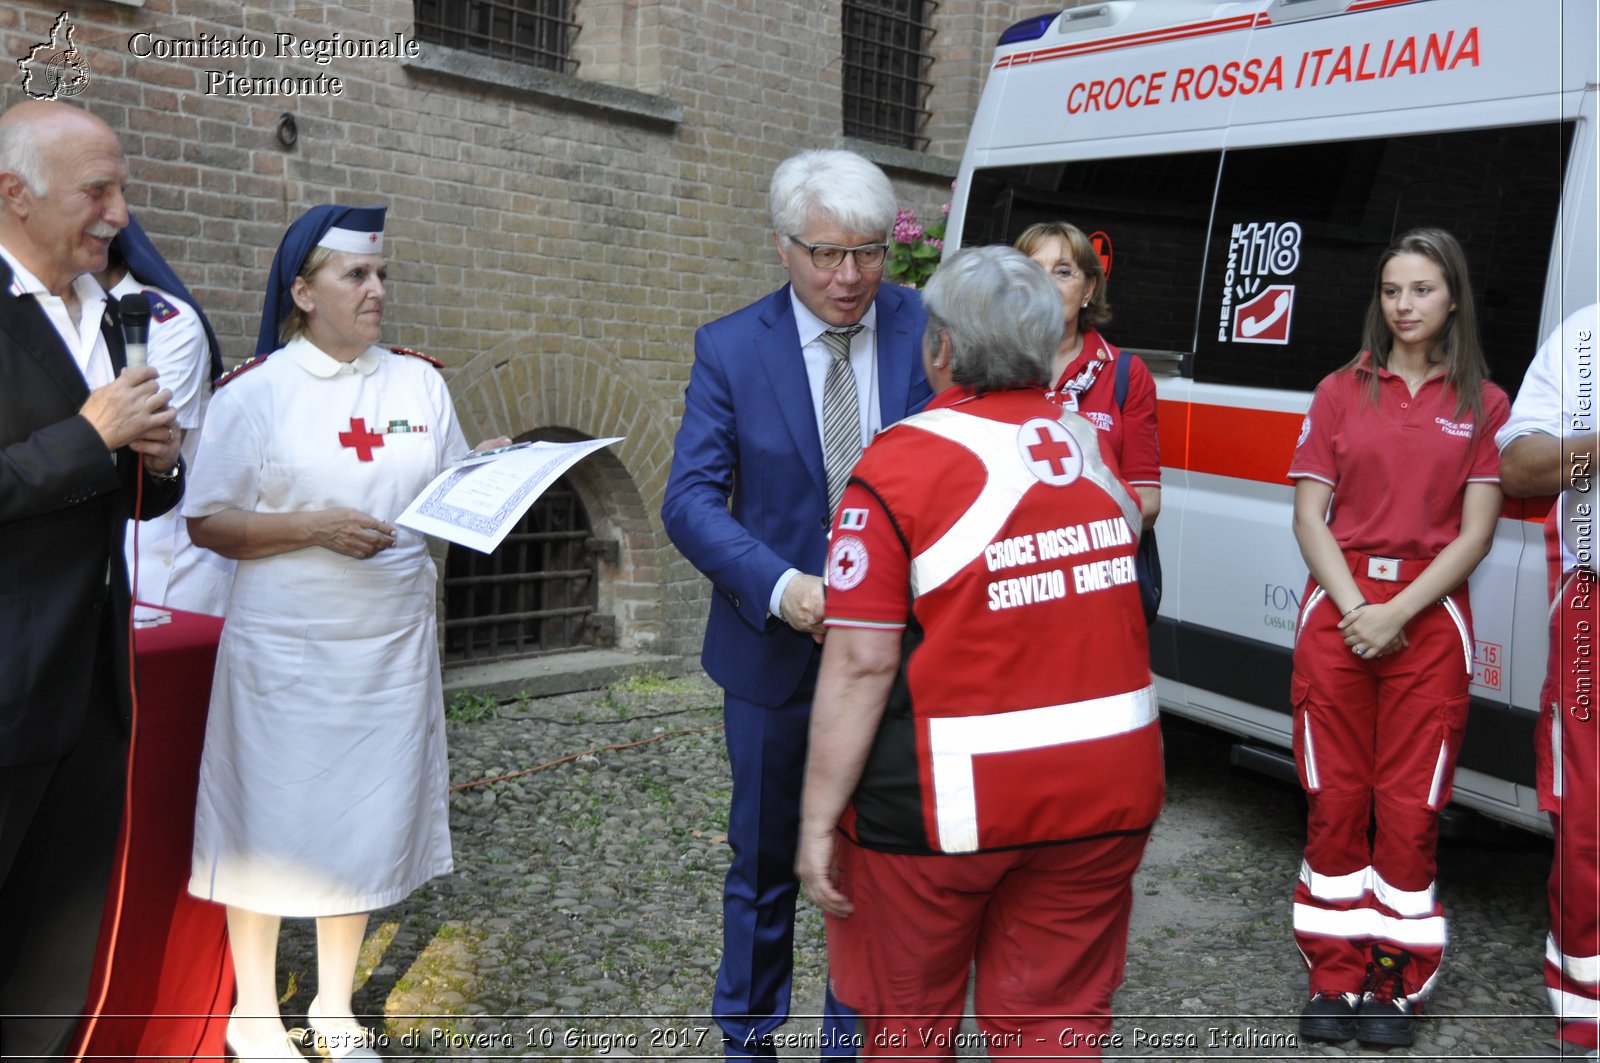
(1242, 166)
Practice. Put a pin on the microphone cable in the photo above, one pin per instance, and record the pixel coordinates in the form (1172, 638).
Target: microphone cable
(111, 931)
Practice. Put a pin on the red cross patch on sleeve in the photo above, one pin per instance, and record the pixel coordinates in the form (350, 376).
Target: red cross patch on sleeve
(847, 562)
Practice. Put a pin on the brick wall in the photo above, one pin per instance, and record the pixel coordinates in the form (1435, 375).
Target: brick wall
(555, 240)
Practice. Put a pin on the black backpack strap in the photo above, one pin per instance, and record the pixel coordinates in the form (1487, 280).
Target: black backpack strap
(1122, 378)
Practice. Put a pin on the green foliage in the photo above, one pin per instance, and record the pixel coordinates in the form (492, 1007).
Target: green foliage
(469, 707)
(650, 683)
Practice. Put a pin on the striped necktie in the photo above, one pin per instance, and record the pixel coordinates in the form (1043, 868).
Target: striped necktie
(841, 414)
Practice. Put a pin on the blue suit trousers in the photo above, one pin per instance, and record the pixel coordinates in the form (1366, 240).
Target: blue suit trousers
(767, 755)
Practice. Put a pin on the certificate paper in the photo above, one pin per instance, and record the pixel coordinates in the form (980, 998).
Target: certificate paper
(478, 503)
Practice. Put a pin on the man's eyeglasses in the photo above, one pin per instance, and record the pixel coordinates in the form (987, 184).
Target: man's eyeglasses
(831, 256)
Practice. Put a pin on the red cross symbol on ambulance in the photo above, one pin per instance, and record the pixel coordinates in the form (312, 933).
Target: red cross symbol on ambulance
(1049, 451)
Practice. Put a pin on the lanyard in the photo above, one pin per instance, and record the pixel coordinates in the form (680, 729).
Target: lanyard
(1069, 390)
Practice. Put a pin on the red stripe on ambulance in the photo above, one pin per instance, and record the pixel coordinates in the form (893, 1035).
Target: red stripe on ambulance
(1256, 445)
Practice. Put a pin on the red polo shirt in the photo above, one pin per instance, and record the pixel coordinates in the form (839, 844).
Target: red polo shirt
(1131, 431)
(1398, 468)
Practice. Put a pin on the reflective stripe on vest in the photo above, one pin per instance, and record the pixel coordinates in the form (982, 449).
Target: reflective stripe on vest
(995, 444)
(955, 740)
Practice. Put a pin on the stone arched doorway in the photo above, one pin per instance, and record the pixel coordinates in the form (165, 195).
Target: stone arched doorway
(538, 593)
(566, 396)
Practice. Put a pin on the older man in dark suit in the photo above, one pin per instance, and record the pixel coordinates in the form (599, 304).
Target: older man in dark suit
(781, 399)
(74, 424)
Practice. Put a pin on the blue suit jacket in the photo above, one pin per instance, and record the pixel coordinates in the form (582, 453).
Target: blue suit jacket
(749, 434)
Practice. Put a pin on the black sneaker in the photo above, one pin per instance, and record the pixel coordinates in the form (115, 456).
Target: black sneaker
(1386, 1016)
(1328, 1017)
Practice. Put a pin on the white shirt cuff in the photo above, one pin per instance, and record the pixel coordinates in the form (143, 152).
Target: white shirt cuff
(777, 592)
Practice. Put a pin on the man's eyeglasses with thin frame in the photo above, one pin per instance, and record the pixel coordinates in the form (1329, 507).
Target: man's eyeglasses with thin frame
(869, 257)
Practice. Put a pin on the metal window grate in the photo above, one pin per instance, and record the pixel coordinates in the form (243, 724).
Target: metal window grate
(886, 61)
(537, 32)
(536, 594)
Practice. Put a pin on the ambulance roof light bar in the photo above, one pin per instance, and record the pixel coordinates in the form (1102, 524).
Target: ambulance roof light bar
(1029, 29)
(1073, 20)
(1281, 11)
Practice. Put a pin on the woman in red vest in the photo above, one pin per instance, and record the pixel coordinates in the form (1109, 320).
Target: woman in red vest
(977, 792)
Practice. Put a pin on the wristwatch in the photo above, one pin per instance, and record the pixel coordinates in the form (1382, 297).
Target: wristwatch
(168, 476)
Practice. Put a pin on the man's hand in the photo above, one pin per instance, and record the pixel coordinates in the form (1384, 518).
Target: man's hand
(801, 606)
(814, 865)
(350, 532)
(133, 408)
(160, 448)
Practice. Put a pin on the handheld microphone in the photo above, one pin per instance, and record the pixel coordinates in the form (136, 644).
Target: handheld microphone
(134, 310)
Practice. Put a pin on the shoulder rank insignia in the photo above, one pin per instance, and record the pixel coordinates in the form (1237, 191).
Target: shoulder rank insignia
(248, 363)
(160, 309)
(418, 354)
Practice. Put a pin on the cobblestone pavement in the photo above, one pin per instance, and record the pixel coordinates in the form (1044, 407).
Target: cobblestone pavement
(582, 920)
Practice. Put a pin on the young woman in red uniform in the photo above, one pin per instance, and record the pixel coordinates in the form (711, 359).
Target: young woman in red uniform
(1084, 369)
(1396, 497)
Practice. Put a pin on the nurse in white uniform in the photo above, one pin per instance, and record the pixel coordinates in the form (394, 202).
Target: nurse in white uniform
(323, 782)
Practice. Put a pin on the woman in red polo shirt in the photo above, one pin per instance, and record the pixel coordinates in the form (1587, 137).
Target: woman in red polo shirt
(1083, 372)
(1396, 496)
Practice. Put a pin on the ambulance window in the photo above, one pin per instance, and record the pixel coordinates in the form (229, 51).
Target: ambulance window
(1299, 229)
(1152, 214)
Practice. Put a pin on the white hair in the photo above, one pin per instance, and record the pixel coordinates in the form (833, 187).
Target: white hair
(849, 189)
(20, 154)
(1002, 315)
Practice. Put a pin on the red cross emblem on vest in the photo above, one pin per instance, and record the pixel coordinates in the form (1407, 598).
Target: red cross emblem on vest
(360, 439)
(1049, 450)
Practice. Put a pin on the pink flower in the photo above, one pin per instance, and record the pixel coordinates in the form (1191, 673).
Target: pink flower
(906, 227)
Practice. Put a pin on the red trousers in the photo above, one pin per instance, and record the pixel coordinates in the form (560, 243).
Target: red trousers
(1047, 928)
(1376, 742)
(1569, 789)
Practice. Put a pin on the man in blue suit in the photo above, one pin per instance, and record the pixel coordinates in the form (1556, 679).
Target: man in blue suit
(767, 402)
